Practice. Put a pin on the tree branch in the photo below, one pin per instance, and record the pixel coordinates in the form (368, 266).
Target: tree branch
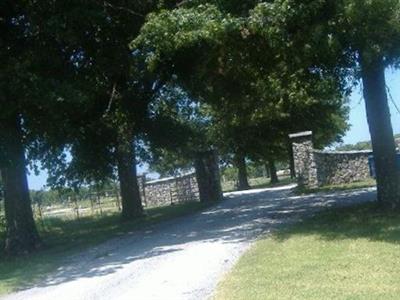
(112, 97)
(122, 8)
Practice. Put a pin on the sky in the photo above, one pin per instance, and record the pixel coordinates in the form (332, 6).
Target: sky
(358, 120)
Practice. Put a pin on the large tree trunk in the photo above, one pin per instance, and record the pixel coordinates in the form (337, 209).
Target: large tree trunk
(267, 172)
(243, 183)
(130, 194)
(208, 177)
(21, 233)
(272, 171)
(383, 145)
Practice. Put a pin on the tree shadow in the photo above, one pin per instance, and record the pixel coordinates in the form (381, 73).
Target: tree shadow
(359, 221)
(240, 219)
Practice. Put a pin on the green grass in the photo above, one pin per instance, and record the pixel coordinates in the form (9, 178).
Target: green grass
(339, 187)
(65, 237)
(282, 182)
(257, 183)
(348, 253)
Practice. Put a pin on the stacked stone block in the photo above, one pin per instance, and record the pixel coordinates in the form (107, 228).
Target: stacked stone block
(304, 161)
(342, 167)
(170, 190)
(317, 168)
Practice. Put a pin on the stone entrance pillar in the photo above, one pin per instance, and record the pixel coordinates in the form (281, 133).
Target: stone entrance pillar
(304, 161)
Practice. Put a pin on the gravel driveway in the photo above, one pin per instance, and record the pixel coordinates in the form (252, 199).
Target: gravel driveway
(183, 258)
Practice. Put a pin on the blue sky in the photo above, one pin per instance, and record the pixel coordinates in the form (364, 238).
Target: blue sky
(358, 120)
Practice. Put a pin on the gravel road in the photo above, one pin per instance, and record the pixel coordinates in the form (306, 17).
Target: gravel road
(183, 258)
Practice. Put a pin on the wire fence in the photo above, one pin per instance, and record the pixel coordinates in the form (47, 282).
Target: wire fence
(167, 191)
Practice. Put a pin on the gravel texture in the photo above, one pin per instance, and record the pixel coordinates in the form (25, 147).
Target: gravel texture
(183, 258)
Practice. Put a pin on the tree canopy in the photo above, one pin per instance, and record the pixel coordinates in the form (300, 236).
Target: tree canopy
(88, 88)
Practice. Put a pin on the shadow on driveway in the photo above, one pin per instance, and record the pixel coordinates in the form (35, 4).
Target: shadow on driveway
(239, 219)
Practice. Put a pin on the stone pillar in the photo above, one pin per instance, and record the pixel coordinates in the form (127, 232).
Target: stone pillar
(304, 161)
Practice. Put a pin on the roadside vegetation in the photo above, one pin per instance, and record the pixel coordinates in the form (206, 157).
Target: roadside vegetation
(337, 187)
(257, 176)
(365, 145)
(257, 183)
(345, 253)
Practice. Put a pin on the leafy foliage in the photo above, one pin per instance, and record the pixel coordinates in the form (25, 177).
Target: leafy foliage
(254, 97)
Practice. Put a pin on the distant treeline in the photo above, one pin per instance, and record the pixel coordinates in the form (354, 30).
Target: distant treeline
(360, 145)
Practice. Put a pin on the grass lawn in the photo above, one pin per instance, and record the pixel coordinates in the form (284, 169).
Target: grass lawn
(339, 187)
(348, 253)
(65, 237)
(264, 185)
(257, 183)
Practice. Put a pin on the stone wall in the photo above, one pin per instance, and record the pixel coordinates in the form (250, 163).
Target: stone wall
(317, 168)
(169, 190)
(341, 167)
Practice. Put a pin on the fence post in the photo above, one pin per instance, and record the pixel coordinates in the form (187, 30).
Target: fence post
(99, 202)
(76, 206)
(91, 203)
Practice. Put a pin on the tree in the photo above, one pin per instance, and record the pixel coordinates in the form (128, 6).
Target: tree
(356, 147)
(175, 112)
(355, 40)
(272, 171)
(256, 97)
(118, 92)
(31, 99)
(127, 89)
(21, 232)
(55, 62)
(240, 163)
